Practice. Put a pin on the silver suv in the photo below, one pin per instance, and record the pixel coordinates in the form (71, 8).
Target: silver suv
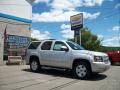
(67, 55)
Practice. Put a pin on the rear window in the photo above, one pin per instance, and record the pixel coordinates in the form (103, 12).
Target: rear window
(34, 45)
(46, 45)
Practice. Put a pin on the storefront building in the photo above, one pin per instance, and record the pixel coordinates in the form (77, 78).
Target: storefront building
(15, 25)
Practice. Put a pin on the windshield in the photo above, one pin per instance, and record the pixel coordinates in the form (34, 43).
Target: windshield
(75, 46)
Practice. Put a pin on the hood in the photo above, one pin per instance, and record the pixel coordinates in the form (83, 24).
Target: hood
(90, 52)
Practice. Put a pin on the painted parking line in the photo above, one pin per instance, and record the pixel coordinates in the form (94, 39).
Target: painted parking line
(51, 85)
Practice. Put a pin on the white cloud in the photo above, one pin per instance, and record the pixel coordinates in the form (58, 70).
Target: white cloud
(116, 28)
(112, 41)
(64, 26)
(66, 31)
(117, 6)
(61, 10)
(61, 16)
(62, 5)
(91, 2)
(100, 37)
(67, 34)
(71, 4)
(90, 16)
(39, 1)
(39, 34)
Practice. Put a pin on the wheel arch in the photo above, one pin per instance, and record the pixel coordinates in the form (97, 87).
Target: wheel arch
(81, 60)
(34, 57)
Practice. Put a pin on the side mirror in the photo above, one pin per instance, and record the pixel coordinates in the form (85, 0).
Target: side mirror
(64, 48)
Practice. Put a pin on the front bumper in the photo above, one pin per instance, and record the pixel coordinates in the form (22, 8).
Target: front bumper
(100, 67)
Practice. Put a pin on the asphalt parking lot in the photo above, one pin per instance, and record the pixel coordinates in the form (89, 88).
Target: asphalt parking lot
(21, 78)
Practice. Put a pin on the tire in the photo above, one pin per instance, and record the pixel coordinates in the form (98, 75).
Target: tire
(35, 65)
(82, 70)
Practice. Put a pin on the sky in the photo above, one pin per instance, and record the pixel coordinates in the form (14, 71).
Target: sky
(51, 19)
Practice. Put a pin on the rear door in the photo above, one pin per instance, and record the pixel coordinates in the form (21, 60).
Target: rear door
(32, 48)
(46, 53)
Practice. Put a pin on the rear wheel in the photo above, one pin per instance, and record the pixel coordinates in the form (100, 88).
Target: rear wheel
(35, 65)
(82, 70)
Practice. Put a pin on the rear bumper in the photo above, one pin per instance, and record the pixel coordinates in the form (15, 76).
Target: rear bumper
(100, 67)
(26, 60)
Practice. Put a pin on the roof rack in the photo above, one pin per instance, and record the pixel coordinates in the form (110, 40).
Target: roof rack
(43, 40)
(49, 39)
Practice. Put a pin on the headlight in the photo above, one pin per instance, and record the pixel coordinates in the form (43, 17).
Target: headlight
(98, 59)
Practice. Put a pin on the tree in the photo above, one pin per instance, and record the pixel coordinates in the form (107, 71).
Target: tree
(33, 39)
(88, 40)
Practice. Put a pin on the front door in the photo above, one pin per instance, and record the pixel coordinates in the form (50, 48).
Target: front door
(59, 57)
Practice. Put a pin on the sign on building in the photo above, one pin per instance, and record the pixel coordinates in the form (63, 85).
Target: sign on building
(17, 40)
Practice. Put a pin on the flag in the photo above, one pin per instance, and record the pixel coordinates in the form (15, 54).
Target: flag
(5, 34)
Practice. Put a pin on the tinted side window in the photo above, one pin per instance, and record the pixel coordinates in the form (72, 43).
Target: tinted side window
(46, 45)
(58, 45)
(34, 45)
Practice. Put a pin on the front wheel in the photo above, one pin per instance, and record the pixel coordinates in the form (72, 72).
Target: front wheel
(82, 70)
(35, 65)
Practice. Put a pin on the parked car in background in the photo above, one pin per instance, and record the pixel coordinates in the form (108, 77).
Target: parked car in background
(66, 55)
(114, 57)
